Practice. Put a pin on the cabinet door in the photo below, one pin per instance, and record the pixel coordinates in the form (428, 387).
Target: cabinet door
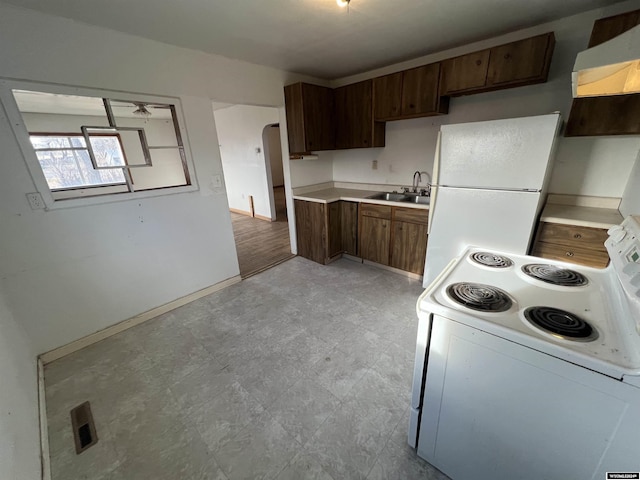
(420, 90)
(318, 117)
(614, 115)
(519, 61)
(335, 228)
(375, 236)
(465, 73)
(349, 227)
(606, 28)
(387, 96)
(295, 118)
(355, 127)
(409, 246)
(309, 110)
(311, 230)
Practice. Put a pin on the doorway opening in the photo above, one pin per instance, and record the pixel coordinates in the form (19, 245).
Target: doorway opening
(251, 154)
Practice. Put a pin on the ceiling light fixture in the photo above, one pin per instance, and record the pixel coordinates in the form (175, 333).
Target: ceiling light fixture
(141, 110)
(343, 3)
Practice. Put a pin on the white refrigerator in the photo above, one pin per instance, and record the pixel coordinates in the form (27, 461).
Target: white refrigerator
(489, 184)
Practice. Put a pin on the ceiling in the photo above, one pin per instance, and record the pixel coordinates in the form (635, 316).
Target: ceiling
(315, 37)
(41, 102)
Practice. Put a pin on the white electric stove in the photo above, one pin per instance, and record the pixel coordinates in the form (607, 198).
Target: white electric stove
(529, 368)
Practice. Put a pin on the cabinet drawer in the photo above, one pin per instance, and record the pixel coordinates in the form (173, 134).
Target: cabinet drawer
(411, 215)
(581, 256)
(573, 236)
(378, 211)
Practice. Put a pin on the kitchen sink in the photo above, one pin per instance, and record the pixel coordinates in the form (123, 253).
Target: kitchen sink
(402, 197)
(392, 197)
(419, 199)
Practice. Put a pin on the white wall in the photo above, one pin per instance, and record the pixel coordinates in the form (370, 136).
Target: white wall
(19, 425)
(311, 172)
(243, 156)
(596, 166)
(69, 272)
(273, 152)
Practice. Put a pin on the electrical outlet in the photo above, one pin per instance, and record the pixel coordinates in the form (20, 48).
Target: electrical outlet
(374, 165)
(35, 201)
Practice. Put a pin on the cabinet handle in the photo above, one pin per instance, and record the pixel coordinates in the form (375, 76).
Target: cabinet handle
(577, 235)
(478, 62)
(411, 105)
(507, 56)
(569, 254)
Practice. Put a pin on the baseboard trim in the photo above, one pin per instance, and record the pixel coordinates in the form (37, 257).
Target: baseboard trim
(240, 212)
(260, 217)
(45, 461)
(404, 273)
(83, 342)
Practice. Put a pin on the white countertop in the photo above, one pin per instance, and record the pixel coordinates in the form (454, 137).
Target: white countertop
(583, 216)
(330, 195)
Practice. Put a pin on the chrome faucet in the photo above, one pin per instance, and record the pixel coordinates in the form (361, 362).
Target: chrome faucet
(415, 184)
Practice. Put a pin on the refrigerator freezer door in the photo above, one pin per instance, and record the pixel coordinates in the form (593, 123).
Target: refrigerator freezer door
(512, 154)
(495, 219)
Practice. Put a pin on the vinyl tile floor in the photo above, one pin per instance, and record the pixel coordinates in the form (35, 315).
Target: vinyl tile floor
(300, 372)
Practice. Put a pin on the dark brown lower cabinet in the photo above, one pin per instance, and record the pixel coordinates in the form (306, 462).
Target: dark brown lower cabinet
(409, 246)
(349, 227)
(335, 229)
(324, 231)
(394, 236)
(375, 238)
(311, 230)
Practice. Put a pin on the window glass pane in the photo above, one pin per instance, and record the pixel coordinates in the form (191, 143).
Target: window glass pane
(78, 142)
(73, 168)
(107, 151)
(50, 142)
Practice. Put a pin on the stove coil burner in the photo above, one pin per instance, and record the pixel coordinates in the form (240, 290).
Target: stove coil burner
(490, 260)
(560, 323)
(555, 275)
(476, 296)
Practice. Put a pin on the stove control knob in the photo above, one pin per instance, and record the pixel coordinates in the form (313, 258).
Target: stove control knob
(617, 233)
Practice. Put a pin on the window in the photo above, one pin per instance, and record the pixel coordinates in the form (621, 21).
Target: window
(65, 162)
(90, 146)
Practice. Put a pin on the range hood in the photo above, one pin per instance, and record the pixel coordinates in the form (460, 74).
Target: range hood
(611, 68)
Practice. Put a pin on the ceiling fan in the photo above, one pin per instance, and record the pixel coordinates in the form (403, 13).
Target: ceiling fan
(142, 109)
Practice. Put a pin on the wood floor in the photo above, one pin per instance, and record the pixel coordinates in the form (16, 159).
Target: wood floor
(262, 244)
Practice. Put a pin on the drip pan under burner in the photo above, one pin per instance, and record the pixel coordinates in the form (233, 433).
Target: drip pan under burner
(480, 297)
(560, 323)
(491, 260)
(555, 275)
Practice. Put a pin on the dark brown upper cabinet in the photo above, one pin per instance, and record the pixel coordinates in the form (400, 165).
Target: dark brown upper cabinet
(310, 117)
(409, 94)
(525, 61)
(606, 28)
(387, 96)
(515, 64)
(465, 74)
(355, 126)
(613, 115)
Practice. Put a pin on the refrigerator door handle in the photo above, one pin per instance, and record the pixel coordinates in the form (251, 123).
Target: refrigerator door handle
(435, 183)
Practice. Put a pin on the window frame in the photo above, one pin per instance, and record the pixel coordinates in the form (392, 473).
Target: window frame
(80, 135)
(86, 196)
